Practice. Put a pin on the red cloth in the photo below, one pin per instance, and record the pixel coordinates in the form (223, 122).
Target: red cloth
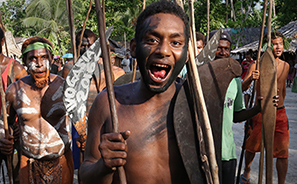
(281, 135)
(5, 74)
(5, 78)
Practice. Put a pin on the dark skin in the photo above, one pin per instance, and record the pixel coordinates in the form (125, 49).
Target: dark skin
(147, 147)
(223, 51)
(282, 71)
(19, 70)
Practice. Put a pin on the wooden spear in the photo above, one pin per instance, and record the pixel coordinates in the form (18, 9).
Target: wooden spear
(143, 4)
(135, 61)
(194, 80)
(72, 29)
(9, 164)
(108, 77)
(199, 99)
(207, 15)
(269, 155)
(252, 101)
(192, 23)
(84, 25)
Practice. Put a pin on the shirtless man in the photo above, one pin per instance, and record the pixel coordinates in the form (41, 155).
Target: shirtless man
(37, 101)
(146, 146)
(11, 71)
(281, 136)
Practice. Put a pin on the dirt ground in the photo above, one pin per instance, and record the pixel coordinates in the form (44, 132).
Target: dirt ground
(291, 108)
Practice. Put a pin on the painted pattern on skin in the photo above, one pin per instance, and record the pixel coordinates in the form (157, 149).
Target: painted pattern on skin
(32, 66)
(144, 51)
(26, 110)
(23, 97)
(156, 130)
(56, 106)
(42, 142)
(58, 94)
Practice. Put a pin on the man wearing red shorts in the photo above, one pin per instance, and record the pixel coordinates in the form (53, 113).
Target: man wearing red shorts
(281, 135)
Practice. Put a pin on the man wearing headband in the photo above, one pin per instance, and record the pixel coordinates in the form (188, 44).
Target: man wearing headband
(37, 101)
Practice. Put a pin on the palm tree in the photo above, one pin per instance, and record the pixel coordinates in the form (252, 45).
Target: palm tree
(49, 18)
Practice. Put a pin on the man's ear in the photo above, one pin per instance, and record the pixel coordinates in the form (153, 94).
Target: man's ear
(133, 47)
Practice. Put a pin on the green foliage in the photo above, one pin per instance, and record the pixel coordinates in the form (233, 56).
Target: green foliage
(13, 11)
(286, 11)
(49, 19)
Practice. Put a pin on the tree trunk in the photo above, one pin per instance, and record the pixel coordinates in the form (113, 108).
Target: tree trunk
(273, 6)
(208, 8)
(232, 11)
(226, 12)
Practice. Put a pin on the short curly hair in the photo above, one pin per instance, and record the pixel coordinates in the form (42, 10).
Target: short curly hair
(87, 33)
(31, 41)
(162, 6)
(274, 35)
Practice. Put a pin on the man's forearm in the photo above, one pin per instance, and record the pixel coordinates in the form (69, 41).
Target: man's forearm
(95, 173)
(246, 114)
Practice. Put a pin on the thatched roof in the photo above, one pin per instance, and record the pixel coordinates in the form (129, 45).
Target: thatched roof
(289, 31)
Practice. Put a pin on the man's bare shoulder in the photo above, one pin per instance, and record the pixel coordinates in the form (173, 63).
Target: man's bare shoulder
(12, 89)
(56, 79)
(118, 72)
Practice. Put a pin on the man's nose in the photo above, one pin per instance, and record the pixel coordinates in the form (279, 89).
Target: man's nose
(164, 49)
(39, 62)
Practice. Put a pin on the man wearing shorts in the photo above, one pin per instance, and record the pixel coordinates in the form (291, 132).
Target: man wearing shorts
(281, 135)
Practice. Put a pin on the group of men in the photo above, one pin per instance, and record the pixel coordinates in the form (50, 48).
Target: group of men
(146, 146)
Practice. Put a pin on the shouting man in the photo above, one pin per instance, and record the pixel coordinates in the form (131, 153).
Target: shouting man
(144, 108)
(37, 101)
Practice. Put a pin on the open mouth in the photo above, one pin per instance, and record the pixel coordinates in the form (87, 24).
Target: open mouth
(39, 74)
(159, 72)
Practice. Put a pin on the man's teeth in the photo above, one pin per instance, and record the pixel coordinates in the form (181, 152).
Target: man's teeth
(161, 65)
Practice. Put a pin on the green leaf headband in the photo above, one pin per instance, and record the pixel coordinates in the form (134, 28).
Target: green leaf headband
(37, 45)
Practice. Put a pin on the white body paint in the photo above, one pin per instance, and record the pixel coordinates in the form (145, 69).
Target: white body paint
(26, 110)
(23, 97)
(38, 144)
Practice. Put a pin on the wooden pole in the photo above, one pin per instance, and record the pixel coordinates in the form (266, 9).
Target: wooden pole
(269, 156)
(9, 164)
(108, 77)
(208, 9)
(192, 23)
(72, 29)
(199, 99)
(134, 70)
(251, 104)
(84, 26)
(143, 4)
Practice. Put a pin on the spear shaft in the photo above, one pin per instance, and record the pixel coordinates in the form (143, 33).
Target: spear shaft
(9, 164)
(72, 30)
(108, 77)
